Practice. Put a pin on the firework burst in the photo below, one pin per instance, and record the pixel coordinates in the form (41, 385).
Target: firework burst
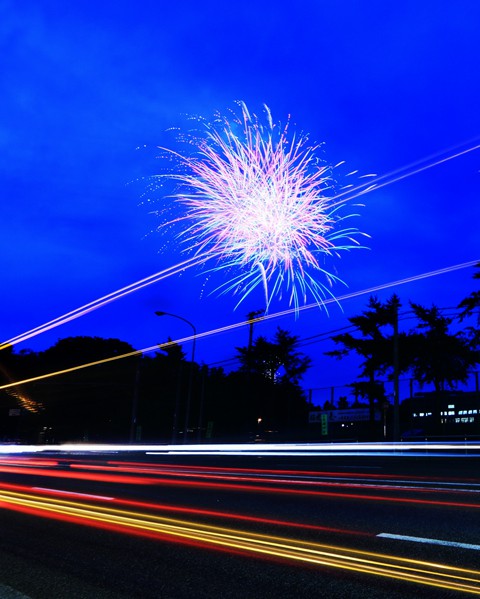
(258, 199)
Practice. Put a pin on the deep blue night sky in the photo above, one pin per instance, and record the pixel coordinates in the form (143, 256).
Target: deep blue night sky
(88, 90)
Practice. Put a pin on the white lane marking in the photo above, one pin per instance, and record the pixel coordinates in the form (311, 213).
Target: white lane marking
(73, 493)
(387, 535)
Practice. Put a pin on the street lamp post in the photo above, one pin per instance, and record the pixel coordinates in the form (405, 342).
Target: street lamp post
(190, 375)
(134, 429)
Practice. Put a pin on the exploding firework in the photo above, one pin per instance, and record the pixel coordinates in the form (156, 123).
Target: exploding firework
(259, 202)
(258, 199)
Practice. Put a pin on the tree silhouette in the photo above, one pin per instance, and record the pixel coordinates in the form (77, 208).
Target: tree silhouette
(277, 360)
(92, 403)
(270, 375)
(471, 303)
(441, 357)
(469, 306)
(373, 346)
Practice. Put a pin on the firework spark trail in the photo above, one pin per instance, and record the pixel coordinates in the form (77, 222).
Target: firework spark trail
(240, 324)
(259, 200)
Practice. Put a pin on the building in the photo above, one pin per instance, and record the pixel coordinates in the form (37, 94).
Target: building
(444, 414)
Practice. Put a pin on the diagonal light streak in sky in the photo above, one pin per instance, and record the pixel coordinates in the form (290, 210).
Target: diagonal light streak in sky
(408, 171)
(237, 325)
(197, 259)
(106, 299)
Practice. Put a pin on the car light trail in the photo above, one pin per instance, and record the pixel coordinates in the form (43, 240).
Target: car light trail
(73, 494)
(40, 462)
(298, 478)
(251, 481)
(403, 449)
(259, 545)
(112, 478)
(192, 469)
(180, 510)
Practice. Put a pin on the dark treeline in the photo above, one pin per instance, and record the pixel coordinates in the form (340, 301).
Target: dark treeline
(167, 398)
(147, 398)
(431, 352)
(434, 351)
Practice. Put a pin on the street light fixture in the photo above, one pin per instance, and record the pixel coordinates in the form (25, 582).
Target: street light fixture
(190, 376)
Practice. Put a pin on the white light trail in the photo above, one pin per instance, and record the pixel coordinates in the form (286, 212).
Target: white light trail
(454, 449)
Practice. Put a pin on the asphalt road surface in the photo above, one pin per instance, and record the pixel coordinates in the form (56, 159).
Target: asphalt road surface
(127, 525)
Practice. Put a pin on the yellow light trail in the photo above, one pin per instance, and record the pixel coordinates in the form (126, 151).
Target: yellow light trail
(294, 550)
(231, 327)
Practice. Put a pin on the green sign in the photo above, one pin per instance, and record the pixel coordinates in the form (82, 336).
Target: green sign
(324, 424)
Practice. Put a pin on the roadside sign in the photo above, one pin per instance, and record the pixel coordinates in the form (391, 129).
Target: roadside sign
(324, 423)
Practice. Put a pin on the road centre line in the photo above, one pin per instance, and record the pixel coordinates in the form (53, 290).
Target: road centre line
(386, 535)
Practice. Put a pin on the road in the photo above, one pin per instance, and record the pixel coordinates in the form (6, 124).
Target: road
(136, 524)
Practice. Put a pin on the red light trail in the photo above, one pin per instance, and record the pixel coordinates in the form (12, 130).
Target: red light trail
(291, 540)
(122, 519)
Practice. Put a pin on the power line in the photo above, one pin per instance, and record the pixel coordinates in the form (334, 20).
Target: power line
(243, 323)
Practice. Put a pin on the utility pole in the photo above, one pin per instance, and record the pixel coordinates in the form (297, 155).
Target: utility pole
(252, 317)
(134, 428)
(396, 403)
(190, 373)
